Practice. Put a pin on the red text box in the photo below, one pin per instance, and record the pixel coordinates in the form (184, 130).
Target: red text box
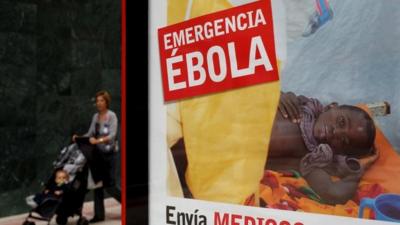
(228, 49)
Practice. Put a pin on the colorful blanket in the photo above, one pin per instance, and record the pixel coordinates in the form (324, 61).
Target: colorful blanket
(289, 191)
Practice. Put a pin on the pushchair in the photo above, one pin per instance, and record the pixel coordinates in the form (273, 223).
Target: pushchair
(71, 202)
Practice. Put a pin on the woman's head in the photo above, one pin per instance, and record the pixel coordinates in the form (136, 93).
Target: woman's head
(348, 130)
(103, 100)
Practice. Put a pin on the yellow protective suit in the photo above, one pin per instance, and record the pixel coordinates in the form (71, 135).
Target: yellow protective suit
(226, 134)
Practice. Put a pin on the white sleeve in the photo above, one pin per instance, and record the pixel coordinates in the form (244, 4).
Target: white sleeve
(113, 126)
(92, 127)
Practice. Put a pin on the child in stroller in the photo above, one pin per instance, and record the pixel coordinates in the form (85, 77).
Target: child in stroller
(65, 191)
(53, 189)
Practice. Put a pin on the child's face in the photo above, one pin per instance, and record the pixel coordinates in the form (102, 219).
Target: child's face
(61, 177)
(342, 129)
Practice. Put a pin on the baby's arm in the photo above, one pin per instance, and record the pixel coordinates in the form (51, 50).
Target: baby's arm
(332, 192)
(368, 161)
(61, 190)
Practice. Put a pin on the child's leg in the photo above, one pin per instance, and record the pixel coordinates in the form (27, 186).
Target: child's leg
(31, 202)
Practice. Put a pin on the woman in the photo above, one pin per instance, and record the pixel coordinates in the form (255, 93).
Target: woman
(100, 153)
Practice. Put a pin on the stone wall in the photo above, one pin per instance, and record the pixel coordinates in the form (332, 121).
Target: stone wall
(54, 56)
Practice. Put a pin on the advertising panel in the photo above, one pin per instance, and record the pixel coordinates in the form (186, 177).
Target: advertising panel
(274, 112)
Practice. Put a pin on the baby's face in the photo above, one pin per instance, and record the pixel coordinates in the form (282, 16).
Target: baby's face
(61, 178)
(342, 129)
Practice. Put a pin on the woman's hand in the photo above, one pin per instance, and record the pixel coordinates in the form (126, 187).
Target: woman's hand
(74, 137)
(93, 141)
(289, 106)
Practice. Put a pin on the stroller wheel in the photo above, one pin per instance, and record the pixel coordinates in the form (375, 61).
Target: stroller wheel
(26, 222)
(82, 221)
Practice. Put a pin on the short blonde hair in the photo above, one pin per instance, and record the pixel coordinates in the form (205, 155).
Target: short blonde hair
(106, 96)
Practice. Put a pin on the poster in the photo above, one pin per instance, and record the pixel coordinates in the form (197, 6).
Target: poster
(274, 112)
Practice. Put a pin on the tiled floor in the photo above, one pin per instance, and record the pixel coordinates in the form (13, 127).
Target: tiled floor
(113, 215)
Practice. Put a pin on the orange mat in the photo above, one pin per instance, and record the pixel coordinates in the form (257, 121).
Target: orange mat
(281, 191)
(386, 169)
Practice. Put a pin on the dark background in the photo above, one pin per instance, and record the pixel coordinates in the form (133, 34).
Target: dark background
(54, 56)
(137, 113)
